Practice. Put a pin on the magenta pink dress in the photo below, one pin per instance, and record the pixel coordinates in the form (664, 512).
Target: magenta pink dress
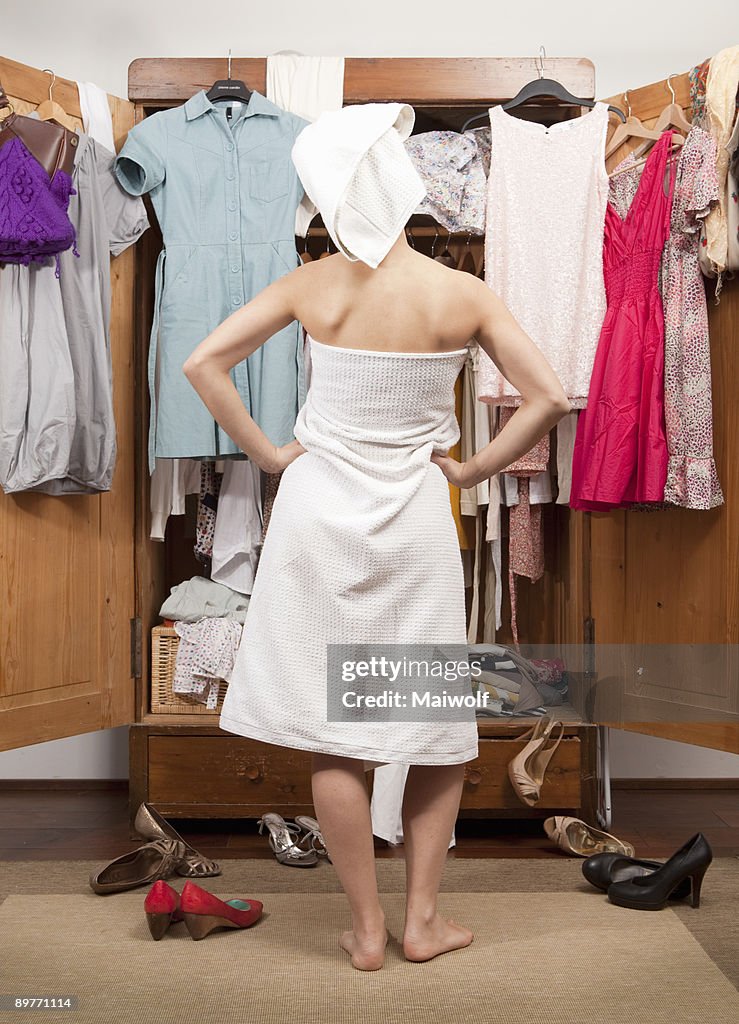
(620, 454)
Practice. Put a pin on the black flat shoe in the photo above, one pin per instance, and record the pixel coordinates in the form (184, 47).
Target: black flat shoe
(651, 892)
(602, 869)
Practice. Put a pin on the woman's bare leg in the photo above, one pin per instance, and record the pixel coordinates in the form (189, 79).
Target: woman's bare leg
(430, 808)
(342, 808)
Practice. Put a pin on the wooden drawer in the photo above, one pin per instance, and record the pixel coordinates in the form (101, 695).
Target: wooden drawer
(202, 772)
(487, 785)
(190, 775)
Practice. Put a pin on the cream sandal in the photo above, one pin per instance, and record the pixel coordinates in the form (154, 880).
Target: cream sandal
(528, 768)
(574, 836)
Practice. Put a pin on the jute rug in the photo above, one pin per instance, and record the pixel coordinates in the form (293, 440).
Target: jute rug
(548, 949)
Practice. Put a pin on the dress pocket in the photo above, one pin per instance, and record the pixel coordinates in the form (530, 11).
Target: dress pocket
(179, 275)
(269, 180)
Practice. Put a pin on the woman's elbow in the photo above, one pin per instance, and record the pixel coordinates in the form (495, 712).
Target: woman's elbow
(192, 367)
(557, 406)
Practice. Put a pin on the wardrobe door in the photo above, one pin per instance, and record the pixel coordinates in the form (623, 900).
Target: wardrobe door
(664, 585)
(665, 589)
(66, 563)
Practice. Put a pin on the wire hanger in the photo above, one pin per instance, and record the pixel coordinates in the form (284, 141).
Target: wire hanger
(327, 251)
(305, 256)
(446, 257)
(467, 259)
(229, 88)
(632, 128)
(541, 87)
(50, 110)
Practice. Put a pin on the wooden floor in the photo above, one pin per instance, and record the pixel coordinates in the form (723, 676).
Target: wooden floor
(92, 824)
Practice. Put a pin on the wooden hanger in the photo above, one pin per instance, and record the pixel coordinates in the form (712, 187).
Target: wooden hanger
(677, 142)
(50, 110)
(631, 128)
(671, 117)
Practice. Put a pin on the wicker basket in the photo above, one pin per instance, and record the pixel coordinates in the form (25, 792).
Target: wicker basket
(164, 643)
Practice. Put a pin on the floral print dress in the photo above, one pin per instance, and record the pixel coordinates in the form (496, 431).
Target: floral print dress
(692, 480)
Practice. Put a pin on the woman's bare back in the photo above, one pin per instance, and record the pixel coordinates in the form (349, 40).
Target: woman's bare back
(409, 303)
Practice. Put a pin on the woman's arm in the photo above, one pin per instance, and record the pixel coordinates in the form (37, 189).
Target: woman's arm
(240, 334)
(521, 362)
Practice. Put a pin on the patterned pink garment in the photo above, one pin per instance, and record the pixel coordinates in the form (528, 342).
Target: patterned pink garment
(526, 540)
(692, 480)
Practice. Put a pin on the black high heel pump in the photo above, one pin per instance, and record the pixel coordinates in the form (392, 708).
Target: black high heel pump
(651, 892)
(603, 869)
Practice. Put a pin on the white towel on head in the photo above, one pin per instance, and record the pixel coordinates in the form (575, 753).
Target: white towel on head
(355, 169)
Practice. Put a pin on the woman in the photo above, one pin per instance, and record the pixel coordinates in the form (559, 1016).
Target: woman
(407, 319)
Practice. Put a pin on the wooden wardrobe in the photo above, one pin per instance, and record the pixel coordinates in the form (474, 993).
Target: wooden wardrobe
(81, 583)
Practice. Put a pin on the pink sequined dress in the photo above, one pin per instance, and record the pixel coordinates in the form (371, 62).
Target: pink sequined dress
(620, 454)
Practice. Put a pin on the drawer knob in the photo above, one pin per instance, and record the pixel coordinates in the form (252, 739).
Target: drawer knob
(254, 772)
(473, 776)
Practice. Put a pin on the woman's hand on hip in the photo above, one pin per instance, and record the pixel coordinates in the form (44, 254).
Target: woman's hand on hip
(283, 456)
(457, 473)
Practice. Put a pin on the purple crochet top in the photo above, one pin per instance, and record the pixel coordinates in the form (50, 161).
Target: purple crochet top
(33, 210)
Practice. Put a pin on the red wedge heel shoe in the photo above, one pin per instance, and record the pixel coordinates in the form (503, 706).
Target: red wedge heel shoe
(203, 911)
(162, 908)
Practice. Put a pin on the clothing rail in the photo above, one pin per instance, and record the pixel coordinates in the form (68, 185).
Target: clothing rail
(437, 82)
(417, 231)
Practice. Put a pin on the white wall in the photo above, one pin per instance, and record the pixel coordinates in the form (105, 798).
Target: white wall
(96, 755)
(104, 755)
(631, 43)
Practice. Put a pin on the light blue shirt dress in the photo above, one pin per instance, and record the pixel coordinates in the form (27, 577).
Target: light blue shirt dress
(225, 192)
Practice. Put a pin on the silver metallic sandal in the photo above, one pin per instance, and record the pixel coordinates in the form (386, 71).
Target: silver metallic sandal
(285, 848)
(313, 835)
(150, 823)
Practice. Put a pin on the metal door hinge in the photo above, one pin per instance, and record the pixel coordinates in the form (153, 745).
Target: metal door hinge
(136, 647)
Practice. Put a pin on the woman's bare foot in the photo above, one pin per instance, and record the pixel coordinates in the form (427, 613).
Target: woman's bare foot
(424, 940)
(367, 949)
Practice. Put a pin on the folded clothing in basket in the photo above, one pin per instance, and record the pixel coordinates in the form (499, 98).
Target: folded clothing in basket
(205, 657)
